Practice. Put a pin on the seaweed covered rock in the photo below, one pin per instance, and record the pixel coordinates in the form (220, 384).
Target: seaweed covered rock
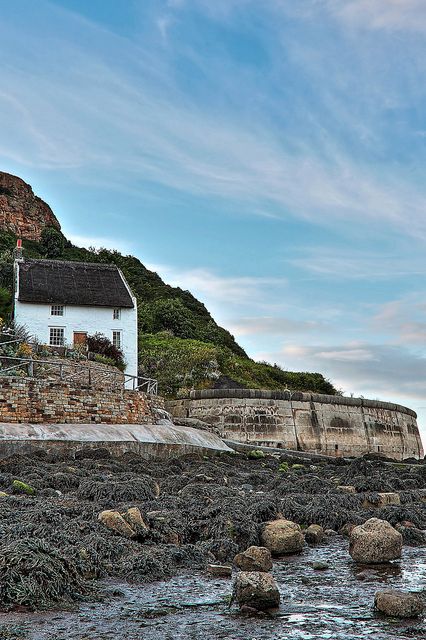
(398, 604)
(254, 559)
(257, 590)
(282, 537)
(35, 575)
(375, 541)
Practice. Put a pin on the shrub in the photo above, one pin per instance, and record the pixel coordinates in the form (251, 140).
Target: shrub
(255, 454)
(101, 345)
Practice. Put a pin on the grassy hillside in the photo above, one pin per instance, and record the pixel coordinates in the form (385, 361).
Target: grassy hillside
(180, 343)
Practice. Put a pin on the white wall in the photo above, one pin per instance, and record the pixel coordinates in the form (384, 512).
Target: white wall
(37, 320)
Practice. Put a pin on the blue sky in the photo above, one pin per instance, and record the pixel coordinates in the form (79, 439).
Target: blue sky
(268, 156)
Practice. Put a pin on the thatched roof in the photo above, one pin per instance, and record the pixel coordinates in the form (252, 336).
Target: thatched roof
(72, 283)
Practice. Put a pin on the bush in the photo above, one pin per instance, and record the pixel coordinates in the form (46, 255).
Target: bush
(101, 345)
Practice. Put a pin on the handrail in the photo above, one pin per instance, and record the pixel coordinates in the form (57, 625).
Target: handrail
(138, 383)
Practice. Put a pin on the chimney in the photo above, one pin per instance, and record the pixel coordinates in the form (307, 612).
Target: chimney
(18, 251)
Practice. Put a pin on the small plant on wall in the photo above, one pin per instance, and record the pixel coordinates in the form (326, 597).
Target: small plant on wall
(104, 351)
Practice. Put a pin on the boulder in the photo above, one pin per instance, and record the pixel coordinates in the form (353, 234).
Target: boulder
(346, 488)
(134, 517)
(219, 570)
(398, 604)
(375, 541)
(381, 500)
(115, 521)
(254, 559)
(282, 537)
(257, 590)
(314, 534)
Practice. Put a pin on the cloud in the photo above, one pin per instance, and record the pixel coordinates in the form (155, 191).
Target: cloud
(216, 288)
(334, 263)
(388, 15)
(104, 115)
(375, 370)
(275, 326)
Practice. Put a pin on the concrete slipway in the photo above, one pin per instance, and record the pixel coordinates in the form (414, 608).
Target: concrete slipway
(160, 440)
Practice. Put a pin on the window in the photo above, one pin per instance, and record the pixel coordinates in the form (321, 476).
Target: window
(57, 310)
(116, 339)
(116, 314)
(56, 337)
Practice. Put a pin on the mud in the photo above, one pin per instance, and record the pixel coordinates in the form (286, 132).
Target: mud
(55, 554)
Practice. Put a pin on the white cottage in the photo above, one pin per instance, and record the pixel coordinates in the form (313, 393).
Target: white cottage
(60, 303)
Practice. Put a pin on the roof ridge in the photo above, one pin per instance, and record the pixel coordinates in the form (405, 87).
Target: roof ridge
(103, 265)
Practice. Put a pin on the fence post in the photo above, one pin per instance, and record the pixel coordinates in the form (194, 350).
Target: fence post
(90, 376)
(31, 369)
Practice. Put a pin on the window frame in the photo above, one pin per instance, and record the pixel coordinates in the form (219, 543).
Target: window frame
(58, 307)
(55, 343)
(119, 333)
(116, 313)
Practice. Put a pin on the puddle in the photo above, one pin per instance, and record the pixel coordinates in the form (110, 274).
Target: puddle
(316, 605)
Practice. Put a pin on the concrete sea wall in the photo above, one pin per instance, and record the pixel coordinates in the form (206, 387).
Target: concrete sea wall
(331, 425)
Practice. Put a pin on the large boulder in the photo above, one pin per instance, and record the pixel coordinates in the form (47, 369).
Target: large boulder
(254, 559)
(282, 537)
(257, 590)
(398, 604)
(375, 541)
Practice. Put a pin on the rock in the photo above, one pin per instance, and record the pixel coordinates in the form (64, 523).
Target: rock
(375, 541)
(330, 532)
(318, 565)
(247, 487)
(21, 212)
(398, 604)
(254, 559)
(314, 534)
(346, 529)
(343, 488)
(256, 589)
(115, 521)
(383, 500)
(219, 570)
(3, 494)
(282, 537)
(134, 518)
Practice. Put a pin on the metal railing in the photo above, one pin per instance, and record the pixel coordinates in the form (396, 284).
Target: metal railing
(86, 374)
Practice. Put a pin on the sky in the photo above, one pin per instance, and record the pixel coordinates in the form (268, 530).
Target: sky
(268, 156)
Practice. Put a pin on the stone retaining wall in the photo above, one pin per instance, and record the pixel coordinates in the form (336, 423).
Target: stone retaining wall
(331, 425)
(33, 400)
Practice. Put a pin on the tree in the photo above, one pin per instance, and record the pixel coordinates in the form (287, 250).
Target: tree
(52, 242)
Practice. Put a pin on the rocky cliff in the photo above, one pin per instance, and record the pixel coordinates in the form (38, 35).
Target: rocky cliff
(21, 212)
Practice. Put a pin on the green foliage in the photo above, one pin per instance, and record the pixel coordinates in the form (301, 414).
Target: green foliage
(180, 344)
(104, 360)
(283, 467)
(255, 454)
(22, 487)
(102, 346)
(5, 303)
(296, 467)
(52, 242)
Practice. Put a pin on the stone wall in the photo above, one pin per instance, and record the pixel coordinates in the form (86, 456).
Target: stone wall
(331, 425)
(21, 212)
(33, 400)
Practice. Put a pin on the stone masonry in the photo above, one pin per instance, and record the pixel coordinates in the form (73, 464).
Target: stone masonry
(22, 212)
(33, 401)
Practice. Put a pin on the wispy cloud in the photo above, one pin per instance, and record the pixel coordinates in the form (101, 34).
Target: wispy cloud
(389, 15)
(213, 287)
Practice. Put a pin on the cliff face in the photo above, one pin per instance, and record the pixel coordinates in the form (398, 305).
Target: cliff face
(21, 212)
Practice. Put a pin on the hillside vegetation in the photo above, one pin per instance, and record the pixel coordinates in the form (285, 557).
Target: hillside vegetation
(180, 343)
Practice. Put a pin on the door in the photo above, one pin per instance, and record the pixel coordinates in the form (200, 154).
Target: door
(80, 338)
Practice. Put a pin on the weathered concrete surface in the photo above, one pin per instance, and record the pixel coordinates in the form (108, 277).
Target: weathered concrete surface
(332, 425)
(148, 440)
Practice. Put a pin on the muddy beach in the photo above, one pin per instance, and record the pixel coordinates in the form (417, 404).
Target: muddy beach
(64, 573)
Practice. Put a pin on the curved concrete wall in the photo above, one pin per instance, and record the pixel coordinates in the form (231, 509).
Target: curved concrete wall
(332, 425)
